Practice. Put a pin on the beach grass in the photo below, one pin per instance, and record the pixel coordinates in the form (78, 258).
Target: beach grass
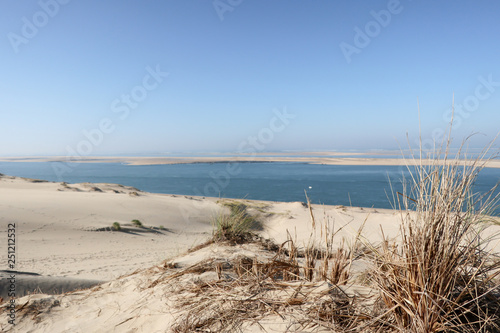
(439, 276)
(235, 226)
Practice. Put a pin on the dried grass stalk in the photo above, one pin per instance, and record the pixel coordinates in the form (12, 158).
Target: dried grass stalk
(439, 278)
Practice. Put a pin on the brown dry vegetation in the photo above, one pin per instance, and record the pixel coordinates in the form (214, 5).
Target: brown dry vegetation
(441, 277)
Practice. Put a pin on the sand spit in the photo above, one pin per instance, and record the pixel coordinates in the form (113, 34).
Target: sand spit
(324, 158)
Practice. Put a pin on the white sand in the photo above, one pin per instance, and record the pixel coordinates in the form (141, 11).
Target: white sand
(54, 227)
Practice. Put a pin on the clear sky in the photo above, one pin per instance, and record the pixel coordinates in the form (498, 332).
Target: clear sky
(342, 74)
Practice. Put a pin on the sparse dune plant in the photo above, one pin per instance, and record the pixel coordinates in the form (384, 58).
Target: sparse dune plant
(116, 226)
(439, 276)
(235, 226)
(137, 223)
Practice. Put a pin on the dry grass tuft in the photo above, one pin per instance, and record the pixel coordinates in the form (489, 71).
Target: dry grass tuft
(335, 256)
(249, 290)
(288, 284)
(440, 277)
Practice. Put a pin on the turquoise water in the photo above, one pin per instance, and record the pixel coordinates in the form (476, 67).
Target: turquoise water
(363, 186)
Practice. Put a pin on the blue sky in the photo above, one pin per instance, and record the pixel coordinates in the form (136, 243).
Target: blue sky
(67, 65)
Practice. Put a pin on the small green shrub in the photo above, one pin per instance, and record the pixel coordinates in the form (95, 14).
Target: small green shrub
(162, 227)
(137, 223)
(116, 226)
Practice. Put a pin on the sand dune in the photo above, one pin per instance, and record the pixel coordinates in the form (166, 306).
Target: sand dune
(65, 241)
(57, 227)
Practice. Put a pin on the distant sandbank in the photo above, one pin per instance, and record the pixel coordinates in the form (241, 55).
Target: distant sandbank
(329, 158)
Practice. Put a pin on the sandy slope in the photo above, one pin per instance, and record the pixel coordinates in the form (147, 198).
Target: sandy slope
(56, 227)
